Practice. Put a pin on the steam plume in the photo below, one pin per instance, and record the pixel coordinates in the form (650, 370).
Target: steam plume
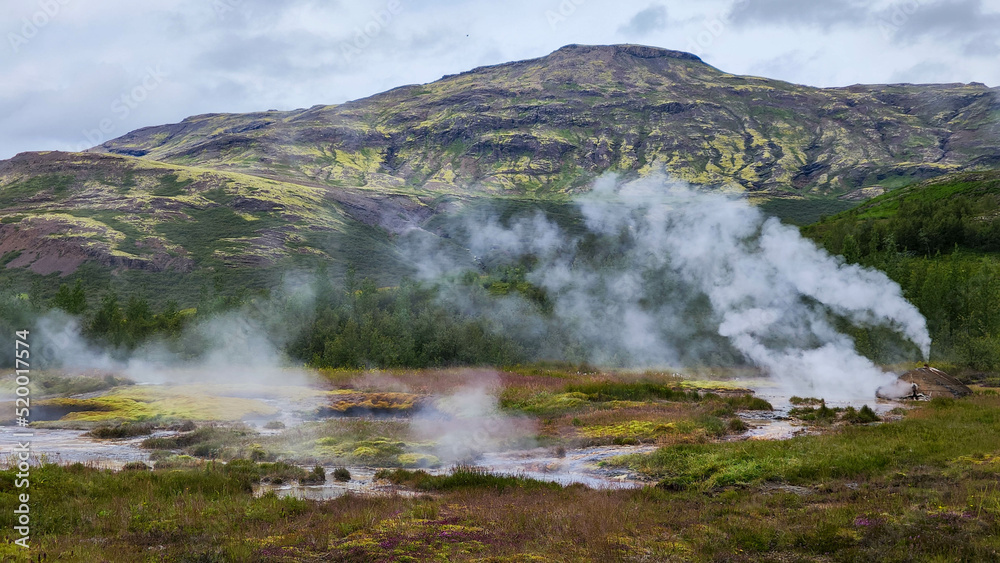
(695, 277)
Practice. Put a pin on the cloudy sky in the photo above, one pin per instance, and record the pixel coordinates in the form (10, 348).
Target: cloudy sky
(76, 72)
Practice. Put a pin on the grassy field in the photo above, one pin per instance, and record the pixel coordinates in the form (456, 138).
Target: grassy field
(919, 488)
(922, 489)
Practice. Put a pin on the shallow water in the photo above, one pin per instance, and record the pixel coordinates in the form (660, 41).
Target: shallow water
(362, 482)
(775, 425)
(575, 466)
(71, 446)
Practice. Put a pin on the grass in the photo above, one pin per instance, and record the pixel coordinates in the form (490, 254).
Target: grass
(16, 192)
(49, 383)
(212, 442)
(804, 211)
(384, 443)
(463, 477)
(622, 391)
(931, 437)
(349, 402)
(170, 187)
(935, 499)
(920, 488)
(120, 431)
(214, 229)
(160, 403)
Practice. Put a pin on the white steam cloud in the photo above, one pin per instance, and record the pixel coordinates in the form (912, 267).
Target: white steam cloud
(468, 422)
(243, 346)
(652, 272)
(695, 277)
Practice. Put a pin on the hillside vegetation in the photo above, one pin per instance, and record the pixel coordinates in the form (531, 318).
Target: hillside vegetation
(221, 210)
(546, 126)
(940, 240)
(224, 202)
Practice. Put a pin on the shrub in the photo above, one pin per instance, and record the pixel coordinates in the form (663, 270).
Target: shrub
(864, 416)
(807, 401)
(314, 477)
(280, 472)
(120, 431)
(736, 426)
(135, 466)
(342, 474)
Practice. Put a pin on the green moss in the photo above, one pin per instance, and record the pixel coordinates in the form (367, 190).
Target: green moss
(418, 460)
(546, 403)
(16, 192)
(170, 186)
(640, 430)
(161, 403)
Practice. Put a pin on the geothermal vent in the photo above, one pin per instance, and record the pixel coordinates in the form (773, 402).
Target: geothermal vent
(925, 382)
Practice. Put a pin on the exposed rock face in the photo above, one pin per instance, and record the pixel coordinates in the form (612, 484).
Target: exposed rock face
(550, 124)
(863, 194)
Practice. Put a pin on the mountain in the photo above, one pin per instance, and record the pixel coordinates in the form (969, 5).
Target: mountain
(235, 200)
(549, 125)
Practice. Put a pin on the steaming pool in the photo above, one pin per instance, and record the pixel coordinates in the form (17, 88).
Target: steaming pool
(581, 465)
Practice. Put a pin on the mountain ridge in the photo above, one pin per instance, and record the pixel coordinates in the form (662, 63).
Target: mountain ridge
(553, 123)
(270, 191)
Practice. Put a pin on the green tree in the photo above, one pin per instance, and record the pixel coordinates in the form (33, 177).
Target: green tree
(73, 301)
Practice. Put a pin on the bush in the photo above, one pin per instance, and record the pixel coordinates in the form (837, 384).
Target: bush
(805, 401)
(749, 403)
(135, 466)
(314, 477)
(120, 431)
(342, 474)
(864, 416)
(280, 472)
(736, 426)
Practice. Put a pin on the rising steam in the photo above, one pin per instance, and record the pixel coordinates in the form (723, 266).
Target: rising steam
(695, 277)
(652, 272)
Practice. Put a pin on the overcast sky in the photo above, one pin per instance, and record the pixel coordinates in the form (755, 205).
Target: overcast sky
(70, 67)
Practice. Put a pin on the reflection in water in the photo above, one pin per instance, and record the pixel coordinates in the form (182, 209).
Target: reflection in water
(71, 446)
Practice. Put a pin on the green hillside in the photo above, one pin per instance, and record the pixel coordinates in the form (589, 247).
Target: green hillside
(228, 201)
(171, 231)
(940, 240)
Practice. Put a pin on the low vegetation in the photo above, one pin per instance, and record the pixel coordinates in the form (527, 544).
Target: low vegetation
(120, 431)
(923, 488)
